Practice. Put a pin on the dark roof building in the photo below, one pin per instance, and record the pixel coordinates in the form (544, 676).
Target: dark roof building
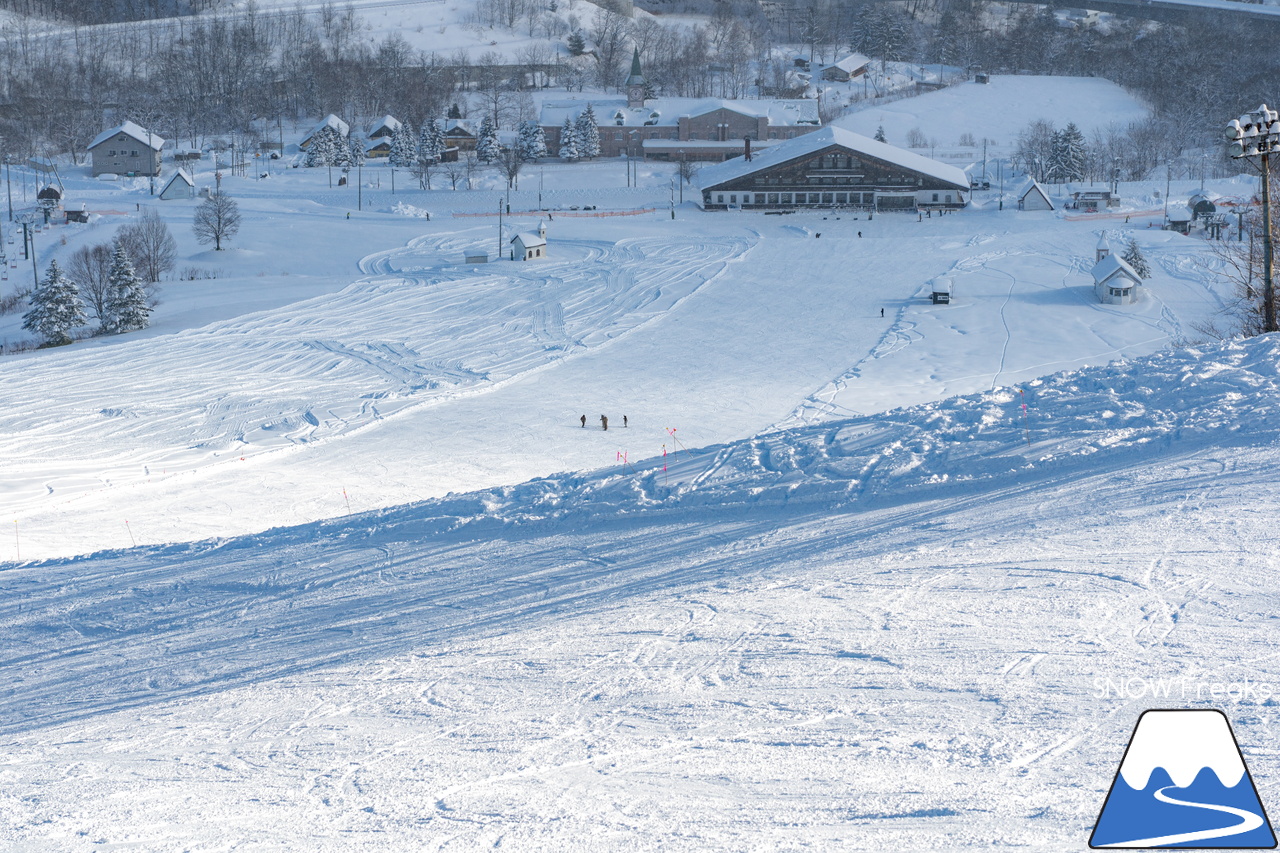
(833, 167)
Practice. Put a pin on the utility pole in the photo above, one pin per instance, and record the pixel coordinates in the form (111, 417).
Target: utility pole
(499, 229)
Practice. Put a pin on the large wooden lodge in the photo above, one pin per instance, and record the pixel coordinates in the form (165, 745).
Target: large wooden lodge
(833, 167)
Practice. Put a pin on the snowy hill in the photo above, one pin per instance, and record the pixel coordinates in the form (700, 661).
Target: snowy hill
(880, 632)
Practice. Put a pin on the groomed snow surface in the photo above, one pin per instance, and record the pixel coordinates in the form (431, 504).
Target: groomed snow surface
(864, 601)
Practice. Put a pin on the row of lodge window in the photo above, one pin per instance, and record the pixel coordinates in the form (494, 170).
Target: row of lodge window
(866, 199)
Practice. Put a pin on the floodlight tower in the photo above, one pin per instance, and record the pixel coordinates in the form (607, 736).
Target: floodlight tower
(1257, 134)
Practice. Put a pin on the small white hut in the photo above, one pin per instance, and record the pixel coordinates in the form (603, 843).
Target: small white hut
(529, 246)
(1033, 197)
(180, 185)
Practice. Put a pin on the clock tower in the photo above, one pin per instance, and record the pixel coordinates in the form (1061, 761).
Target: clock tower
(635, 82)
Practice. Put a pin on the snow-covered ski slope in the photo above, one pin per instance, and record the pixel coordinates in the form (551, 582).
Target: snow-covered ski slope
(884, 632)
(427, 376)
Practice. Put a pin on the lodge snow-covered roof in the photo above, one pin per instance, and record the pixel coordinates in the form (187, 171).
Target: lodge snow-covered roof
(666, 112)
(131, 130)
(810, 143)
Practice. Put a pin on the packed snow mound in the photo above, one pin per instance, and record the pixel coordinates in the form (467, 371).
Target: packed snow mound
(1094, 418)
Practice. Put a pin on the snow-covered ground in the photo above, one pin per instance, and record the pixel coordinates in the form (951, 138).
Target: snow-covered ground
(325, 561)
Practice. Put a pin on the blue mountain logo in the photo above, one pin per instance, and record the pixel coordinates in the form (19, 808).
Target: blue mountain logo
(1183, 783)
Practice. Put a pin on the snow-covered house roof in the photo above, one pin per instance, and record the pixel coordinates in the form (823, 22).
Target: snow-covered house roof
(330, 120)
(666, 112)
(459, 127)
(1180, 213)
(385, 126)
(375, 144)
(851, 64)
(529, 239)
(180, 175)
(1032, 188)
(131, 130)
(810, 143)
(1111, 266)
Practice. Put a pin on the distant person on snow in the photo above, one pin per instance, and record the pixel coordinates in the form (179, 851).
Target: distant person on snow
(604, 422)
(584, 421)
(624, 421)
(881, 312)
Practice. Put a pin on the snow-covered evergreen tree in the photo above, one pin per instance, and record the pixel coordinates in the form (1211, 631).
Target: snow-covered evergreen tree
(320, 149)
(56, 308)
(341, 150)
(1068, 155)
(355, 145)
(430, 149)
(487, 147)
(533, 142)
(454, 112)
(403, 149)
(880, 137)
(1133, 257)
(588, 134)
(127, 306)
(569, 141)
(577, 44)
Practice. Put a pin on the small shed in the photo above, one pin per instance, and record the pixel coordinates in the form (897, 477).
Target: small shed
(942, 291)
(1033, 197)
(1115, 282)
(530, 246)
(81, 215)
(1180, 218)
(477, 256)
(179, 186)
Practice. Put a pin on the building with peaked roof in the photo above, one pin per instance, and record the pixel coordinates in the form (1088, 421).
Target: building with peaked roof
(833, 167)
(331, 120)
(1114, 281)
(1033, 197)
(530, 246)
(126, 149)
(179, 186)
(660, 128)
(853, 65)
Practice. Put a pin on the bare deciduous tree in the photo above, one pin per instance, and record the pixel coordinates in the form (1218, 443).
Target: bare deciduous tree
(217, 219)
(150, 245)
(90, 267)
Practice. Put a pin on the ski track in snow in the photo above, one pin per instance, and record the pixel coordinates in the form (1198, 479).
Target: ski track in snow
(416, 330)
(873, 633)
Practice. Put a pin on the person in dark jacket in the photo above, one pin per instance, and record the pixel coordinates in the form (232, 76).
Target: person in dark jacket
(604, 422)
(584, 417)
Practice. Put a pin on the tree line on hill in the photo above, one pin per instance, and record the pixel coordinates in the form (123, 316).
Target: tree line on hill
(239, 73)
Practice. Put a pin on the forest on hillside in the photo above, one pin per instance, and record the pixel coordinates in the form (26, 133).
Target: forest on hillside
(222, 73)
